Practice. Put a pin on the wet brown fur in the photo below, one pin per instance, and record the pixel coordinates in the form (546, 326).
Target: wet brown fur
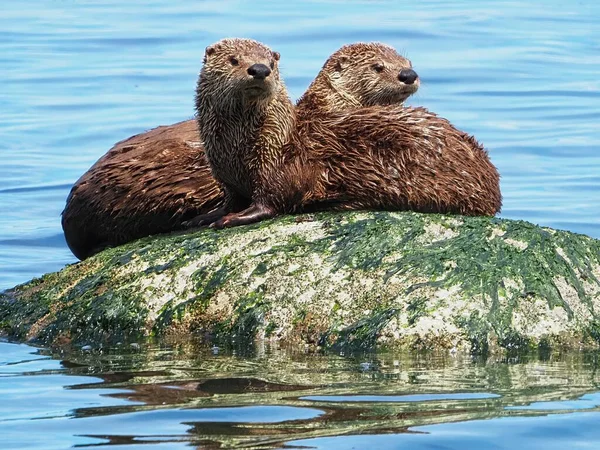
(382, 157)
(360, 74)
(387, 158)
(144, 185)
(243, 122)
(152, 182)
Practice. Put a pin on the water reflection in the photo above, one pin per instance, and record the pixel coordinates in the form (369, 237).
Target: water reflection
(185, 394)
(557, 432)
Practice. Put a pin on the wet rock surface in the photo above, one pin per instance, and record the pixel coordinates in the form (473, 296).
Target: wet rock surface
(332, 279)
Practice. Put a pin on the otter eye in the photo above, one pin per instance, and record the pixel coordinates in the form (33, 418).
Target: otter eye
(233, 61)
(378, 67)
(272, 65)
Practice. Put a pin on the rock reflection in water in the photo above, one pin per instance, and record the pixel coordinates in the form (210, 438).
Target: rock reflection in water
(185, 394)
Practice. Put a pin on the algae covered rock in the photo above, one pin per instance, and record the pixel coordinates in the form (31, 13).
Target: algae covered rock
(360, 278)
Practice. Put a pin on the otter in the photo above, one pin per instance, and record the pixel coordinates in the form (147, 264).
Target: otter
(146, 184)
(156, 181)
(359, 74)
(377, 157)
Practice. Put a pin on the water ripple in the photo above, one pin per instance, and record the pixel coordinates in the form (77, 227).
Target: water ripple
(520, 76)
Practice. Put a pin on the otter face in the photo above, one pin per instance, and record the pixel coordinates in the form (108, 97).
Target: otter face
(240, 67)
(373, 74)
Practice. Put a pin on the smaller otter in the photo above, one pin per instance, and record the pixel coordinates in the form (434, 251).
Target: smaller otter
(375, 158)
(154, 182)
(244, 118)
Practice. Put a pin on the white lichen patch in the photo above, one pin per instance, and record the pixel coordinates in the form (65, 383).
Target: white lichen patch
(168, 286)
(571, 297)
(562, 253)
(592, 289)
(435, 232)
(532, 317)
(309, 230)
(454, 304)
(453, 221)
(518, 244)
(135, 265)
(367, 283)
(158, 289)
(496, 232)
(293, 267)
(307, 296)
(434, 326)
(256, 282)
(447, 293)
(513, 285)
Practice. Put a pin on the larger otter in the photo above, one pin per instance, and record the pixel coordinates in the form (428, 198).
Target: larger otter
(152, 182)
(377, 157)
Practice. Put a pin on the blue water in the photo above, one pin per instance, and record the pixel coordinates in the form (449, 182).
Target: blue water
(522, 76)
(150, 397)
(559, 432)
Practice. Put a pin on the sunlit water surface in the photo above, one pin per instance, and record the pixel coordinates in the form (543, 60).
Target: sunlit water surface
(522, 76)
(186, 396)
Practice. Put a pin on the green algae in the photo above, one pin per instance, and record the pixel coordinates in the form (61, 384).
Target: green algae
(364, 333)
(340, 279)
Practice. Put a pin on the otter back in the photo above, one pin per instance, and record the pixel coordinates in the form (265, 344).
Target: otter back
(391, 158)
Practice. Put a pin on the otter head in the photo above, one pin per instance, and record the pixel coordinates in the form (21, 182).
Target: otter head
(368, 74)
(239, 69)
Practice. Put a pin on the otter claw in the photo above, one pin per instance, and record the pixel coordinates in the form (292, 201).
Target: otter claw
(226, 221)
(203, 220)
(197, 222)
(191, 224)
(218, 224)
(254, 213)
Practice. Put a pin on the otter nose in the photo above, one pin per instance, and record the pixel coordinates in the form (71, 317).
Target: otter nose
(259, 71)
(408, 76)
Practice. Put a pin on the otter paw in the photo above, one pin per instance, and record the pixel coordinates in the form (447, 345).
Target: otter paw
(196, 222)
(223, 222)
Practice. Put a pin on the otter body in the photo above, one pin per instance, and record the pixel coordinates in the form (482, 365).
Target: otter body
(147, 184)
(153, 182)
(244, 118)
(377, 157)
(399, 158)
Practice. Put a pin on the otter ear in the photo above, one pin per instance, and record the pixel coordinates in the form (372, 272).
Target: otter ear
(341, 63)
(276, 56)
(210, 50)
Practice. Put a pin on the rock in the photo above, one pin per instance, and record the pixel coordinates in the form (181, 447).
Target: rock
(333, 279)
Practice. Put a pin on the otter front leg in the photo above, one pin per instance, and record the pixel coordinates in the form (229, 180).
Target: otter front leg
(255, 213)
(206, 219)
(233, 203)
